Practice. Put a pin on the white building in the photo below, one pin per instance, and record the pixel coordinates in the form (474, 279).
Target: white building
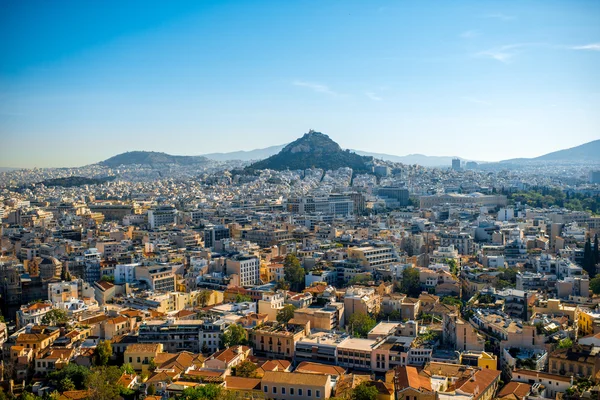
(162, 216)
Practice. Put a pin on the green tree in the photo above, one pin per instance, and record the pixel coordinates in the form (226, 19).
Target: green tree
(246, 369)
(242, 298)
(128, 369)
(588, 259)
(108, 278)
(204, 297)
(282, 285)
(364, 391)
(293, 272)
(54, 317)
(565, 343)
(151, 390)
(103, 353)
(102, 383)
(595, 285)
(411, 283)
(285, 314)
(360, 279)
(596, 250)
(204, 392)
(360, 324)
(76, 373)
(451, 301)
(234, 335)
(66, 384)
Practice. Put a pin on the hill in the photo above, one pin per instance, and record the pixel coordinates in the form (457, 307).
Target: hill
(314, 149)
(243, 155)
(151, 158)
(410, 159)
(586, 152)
(73, 181)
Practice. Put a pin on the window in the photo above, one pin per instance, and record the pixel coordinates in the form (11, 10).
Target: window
(292, 390)
(318, 394)
(299, 392)
(309, 393)
(265, 389)
(282, 390)
(274, 389)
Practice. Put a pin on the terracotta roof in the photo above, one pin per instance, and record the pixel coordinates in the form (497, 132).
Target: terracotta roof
(126, 379)
(276, 365)
(230, 353)
(481, 380)
(295, 378)
(410, 377)
(39, 306)
(239, 383)
(518, 389)
(104, 285)
(118, 320)
(74, 395)
(316, 368)
(143, 347)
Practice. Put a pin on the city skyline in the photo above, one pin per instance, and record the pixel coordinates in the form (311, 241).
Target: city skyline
(481, 81)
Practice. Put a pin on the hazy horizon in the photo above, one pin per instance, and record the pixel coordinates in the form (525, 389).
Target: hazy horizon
(82, 82)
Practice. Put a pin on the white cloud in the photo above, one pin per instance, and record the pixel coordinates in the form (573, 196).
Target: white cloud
(373, 96)
(475, 100)
(317, 87)
(501, 16)
(507, 52)
(591, 47)
(470, 34)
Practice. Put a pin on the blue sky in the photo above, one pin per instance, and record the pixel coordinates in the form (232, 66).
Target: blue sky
(81, 81)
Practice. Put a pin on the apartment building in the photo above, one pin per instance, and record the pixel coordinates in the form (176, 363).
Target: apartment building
(361, 300)
(328, 317)
(275, 340)
(296, 385)
(246, 267)
(371, 257)
(162, 216)
(159, 277)
(183, 335)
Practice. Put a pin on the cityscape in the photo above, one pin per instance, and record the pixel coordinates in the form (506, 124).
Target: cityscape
(319, 263)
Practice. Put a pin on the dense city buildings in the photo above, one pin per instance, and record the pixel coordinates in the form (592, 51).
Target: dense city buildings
(405, 281)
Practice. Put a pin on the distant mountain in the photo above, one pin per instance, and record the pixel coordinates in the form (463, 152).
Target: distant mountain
(583, 153)
(314, 149)
(151, 158)
(250, 155)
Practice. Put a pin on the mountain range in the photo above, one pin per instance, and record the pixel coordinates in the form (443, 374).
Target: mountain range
(586, 152)
(318, 150)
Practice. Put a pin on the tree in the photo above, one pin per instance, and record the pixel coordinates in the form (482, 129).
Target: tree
(360, 324)
(234, 335)
(102, 383)
(364, 391)
(596, 250)
(76, 373)
(411, 282)
(204, 297)
(285, 314)
(246, 369)
(595, 285)
(451, 301)
(565, 343)
(108, 278)
(55, 316)
(66, 384)
(588, 259)
(128, 369)
(241, 298)
(103, 353)
(205, 392)
(151, 390)
(282, 285)
(293, 272)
